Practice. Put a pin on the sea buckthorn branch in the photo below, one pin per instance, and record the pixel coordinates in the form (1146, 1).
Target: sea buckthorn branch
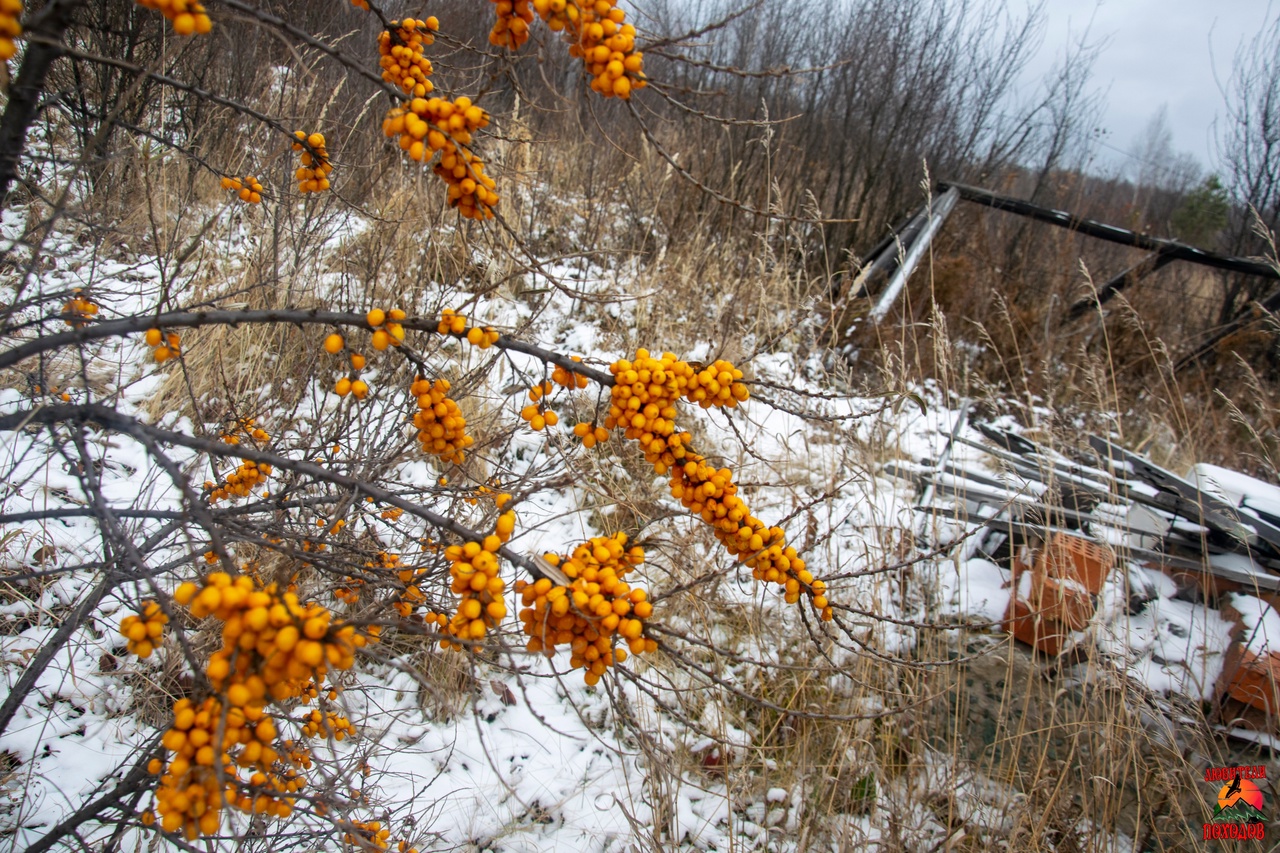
(300, 317)
(473, 569)
(596, 31)
(248, 189)
(427, 126)
(593, 610)
(441, 425)
(274, 650)
(313, 173)
(241, 482)
(113, 420)
(704, 491)
(403, 63)
(643, 404)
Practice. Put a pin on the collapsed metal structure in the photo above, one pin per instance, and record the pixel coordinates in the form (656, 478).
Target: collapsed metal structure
(895, 258)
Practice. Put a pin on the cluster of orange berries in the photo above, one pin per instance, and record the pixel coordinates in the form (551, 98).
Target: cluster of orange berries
(240, 482)
(313, 174)
(358, 388)
(644, 396)
(79, 309)
(248, 427)
(430, 125)
(248, 188)
(273, 648)
(452, 323)
(369, 835)
(248, 474)
(597, 607)
(511, 26)
(200, 780)
(143, 630)
(643, 403)
(598, 34)
(538, 417)
(473, 567)
(163, 347)
(402, 61)
(361, 4)
(272, 643)
(711, 494)
(387, 329)
(187, 16)
(567, 378)
(442, 428)
(320, 724)
(590, 435)
(10, 28)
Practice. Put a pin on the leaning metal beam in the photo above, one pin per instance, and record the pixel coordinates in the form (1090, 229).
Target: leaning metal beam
(1111, 233)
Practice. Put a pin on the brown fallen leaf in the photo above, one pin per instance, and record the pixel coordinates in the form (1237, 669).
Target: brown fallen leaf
(504, 692)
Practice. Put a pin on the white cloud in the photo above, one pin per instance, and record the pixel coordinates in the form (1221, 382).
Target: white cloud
(1156, 52)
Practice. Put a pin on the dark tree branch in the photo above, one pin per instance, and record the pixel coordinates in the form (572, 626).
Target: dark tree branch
(314, 316)
(44, 30)
(145, 433)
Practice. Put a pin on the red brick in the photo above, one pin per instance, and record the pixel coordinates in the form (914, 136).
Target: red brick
(1077, 559)
(1027, 626)
(1251, 678)
(1063, 601)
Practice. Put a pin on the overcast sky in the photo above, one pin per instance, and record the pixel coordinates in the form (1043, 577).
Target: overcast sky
(1157, 52)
